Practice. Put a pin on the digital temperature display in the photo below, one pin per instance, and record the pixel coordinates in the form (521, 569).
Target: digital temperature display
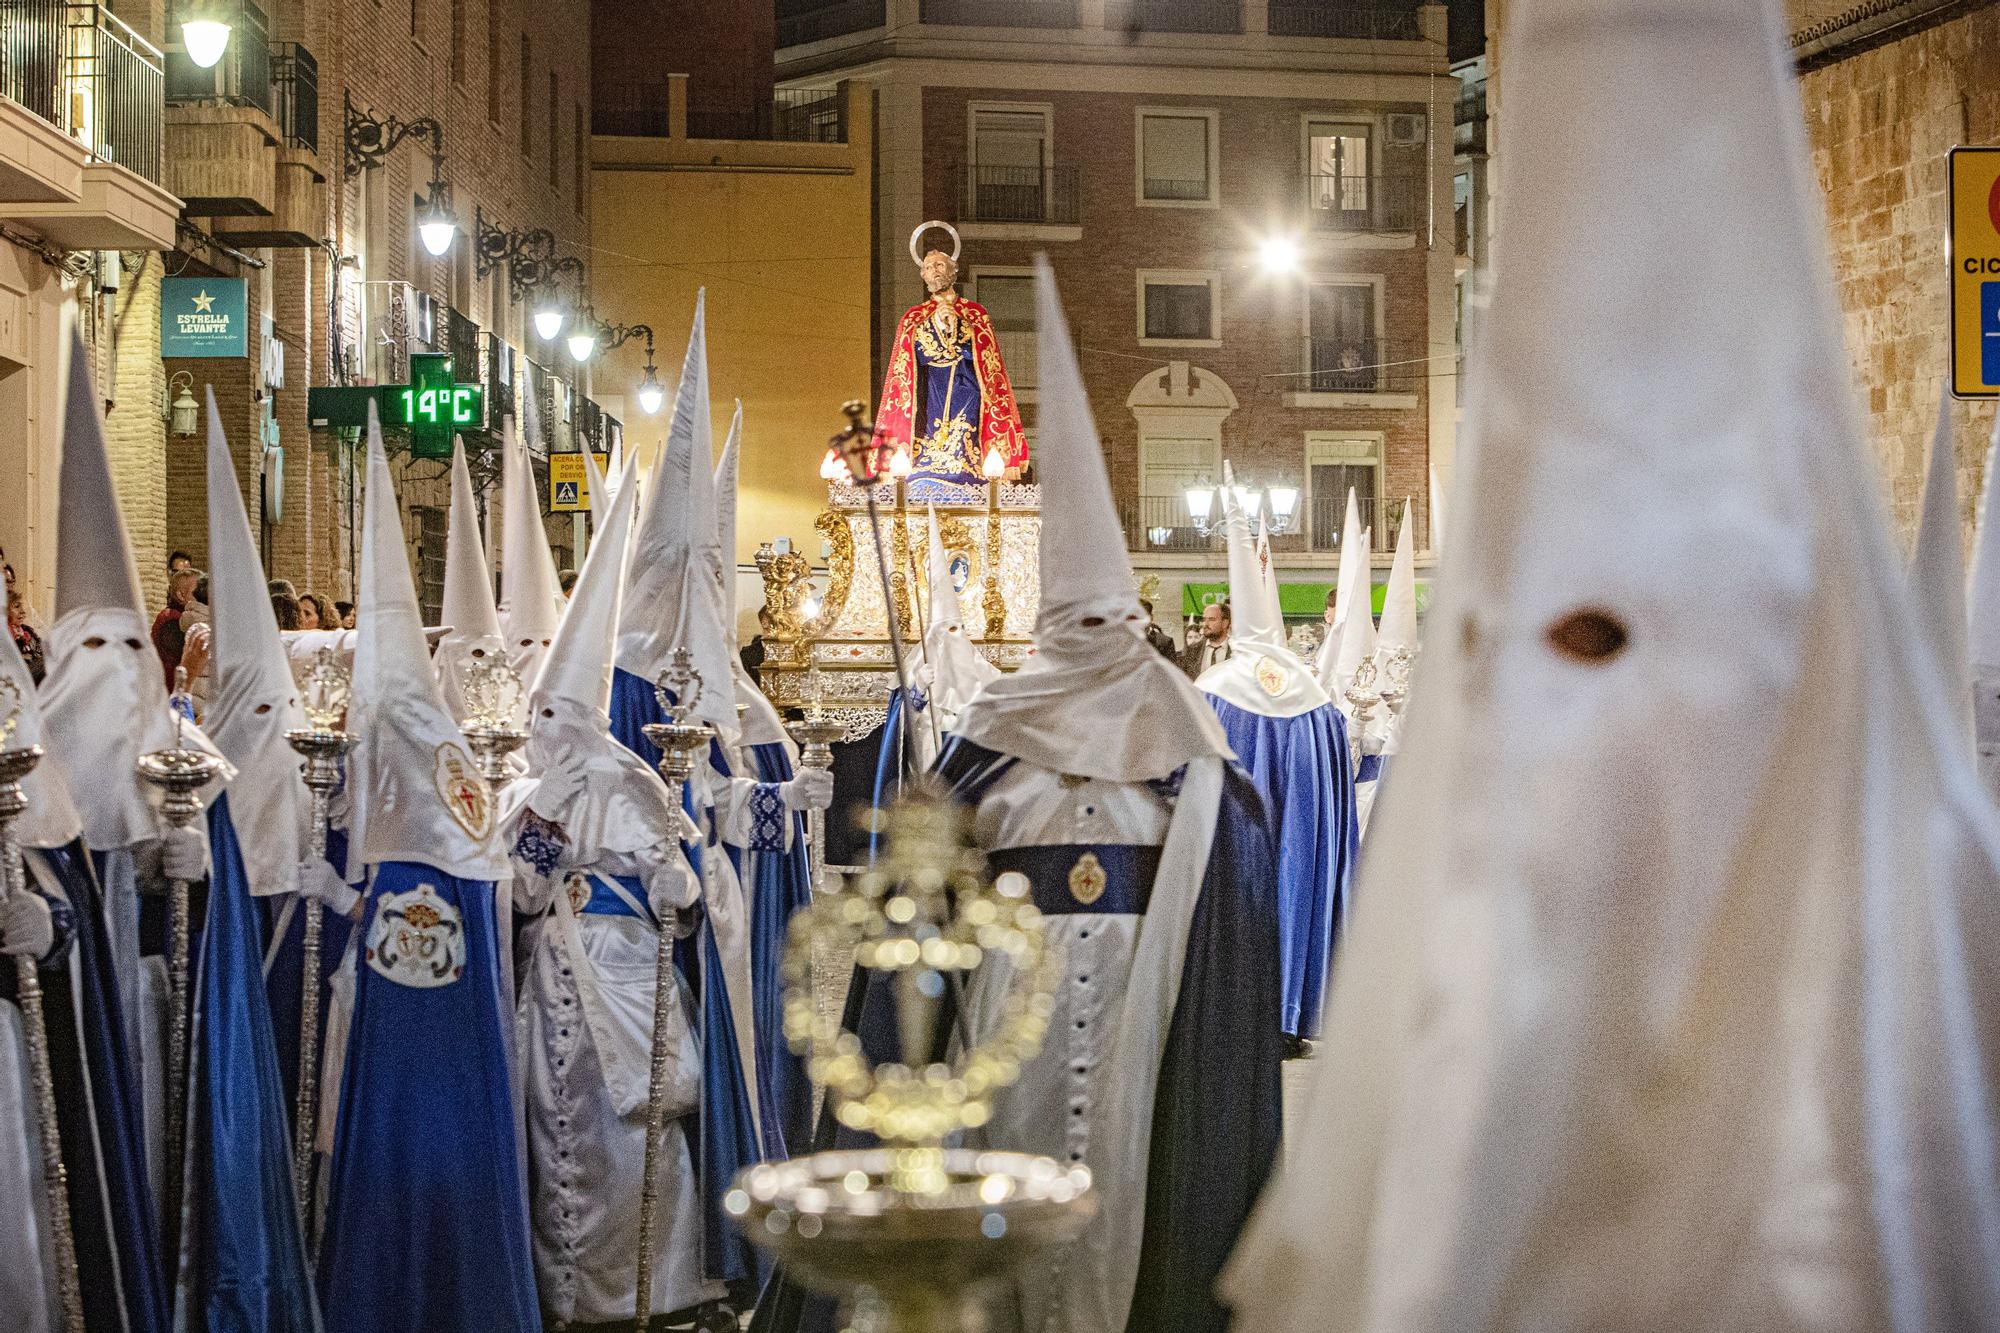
(433, 407)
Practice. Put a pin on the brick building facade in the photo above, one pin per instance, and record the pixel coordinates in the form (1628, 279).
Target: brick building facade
(1151, 151)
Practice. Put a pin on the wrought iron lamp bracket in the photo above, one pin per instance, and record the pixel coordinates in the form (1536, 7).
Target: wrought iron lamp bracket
(370, 139)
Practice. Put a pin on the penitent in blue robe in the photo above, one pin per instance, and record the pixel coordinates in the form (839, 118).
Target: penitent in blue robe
(779, 885)
(244, 1265)
(722, 1133)
(1216, 1115)
(85, 1013)
(1300, 766)
(427, 1222)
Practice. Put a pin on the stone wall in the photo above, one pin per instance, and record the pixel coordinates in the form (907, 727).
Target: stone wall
(1881, 122)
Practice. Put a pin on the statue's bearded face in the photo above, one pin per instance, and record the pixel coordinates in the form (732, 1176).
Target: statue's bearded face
(939, 271)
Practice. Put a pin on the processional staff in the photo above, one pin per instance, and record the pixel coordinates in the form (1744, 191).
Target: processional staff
(680, 743)
(179, 771)
(322, 742)
(15, 765)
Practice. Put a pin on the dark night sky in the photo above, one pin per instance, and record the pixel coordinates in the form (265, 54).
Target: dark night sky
(1468, 28)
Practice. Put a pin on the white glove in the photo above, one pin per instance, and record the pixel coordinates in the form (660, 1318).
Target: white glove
(318, 882)
(555, 788)
(812, 789)
(26, 930)
(184, 853)
(670, 888)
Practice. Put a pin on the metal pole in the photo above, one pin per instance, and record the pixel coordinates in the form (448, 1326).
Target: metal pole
(15, 765)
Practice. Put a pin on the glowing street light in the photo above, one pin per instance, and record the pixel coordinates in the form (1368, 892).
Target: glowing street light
(1278, 256)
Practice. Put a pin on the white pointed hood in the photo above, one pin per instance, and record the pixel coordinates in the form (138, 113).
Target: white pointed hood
(759, 718)
(599, 491)
(1399, 601)
(1261, 675)
(957, 669)
(104, 701)
(468, 591)
(1983, 624)
(1354, 642)
(1352, 573)
(254, 700)
(1937, 567)
(530, 593)
(51, 819)
(674, 563)
(411, 780)
(1666, 999)
(1096, 700)
(621, 804)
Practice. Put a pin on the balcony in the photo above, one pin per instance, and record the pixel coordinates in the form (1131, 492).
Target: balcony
(1000, 13)
(1192, 16)
(1035, 196)
(1366, 203)
(1354, 23)
(1161, 524)
(644, 109)
(1360, 372)
(80, 136)
(820, 22)
(245, 139)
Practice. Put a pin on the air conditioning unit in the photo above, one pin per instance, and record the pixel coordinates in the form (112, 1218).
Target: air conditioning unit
(1406, 128)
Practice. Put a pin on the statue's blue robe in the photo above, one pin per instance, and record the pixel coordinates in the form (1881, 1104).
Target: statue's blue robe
(427, 1221)
(722, 1133)
(244, 1267)
(1300, 767)
(1216, 1116)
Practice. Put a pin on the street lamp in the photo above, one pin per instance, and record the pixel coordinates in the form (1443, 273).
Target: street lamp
(184, 408)
(582, 342)
(1278, 256)
(1201, 503)
(368, 142)
(1284, 506)
(205, 32)
(651, 394)
(548, 317)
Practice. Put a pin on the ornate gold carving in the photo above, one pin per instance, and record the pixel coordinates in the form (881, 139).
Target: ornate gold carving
(839, 567)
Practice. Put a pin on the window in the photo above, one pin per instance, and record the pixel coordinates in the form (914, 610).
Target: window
(1177, 158)
(494, 64)
(527, 111)
(1338, 167)
(458, 42)
(581, 149)
(1009, 298)
(555, 112)
(1179, 307)
(1336, 464)
(432, 528)
(1009, 172)
(1342, 350)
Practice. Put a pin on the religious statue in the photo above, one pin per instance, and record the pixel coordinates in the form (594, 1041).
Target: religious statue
(946, 399)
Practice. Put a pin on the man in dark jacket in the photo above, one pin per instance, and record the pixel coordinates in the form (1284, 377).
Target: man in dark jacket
(1212, 645)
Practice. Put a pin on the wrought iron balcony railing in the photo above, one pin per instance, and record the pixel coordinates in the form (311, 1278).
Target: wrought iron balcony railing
(116, 85)
(1365, 203)
(1018, 194)
(1199, 16)
(295, 94)
(1328, 18)
(1000, 13)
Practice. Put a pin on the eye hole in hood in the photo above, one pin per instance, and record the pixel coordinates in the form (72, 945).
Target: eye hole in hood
(1589, 635)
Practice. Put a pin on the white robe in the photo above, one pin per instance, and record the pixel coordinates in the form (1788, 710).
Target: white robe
(584, 1028)
(27, 1261)
(1088, 1096)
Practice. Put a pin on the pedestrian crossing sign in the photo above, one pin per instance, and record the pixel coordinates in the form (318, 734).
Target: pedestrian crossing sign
(569, 484)
(1973, 176)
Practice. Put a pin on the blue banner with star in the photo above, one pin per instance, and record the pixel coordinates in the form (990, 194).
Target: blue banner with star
(204, 317)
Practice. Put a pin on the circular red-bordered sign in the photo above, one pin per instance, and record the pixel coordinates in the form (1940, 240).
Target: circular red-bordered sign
(1993, 205)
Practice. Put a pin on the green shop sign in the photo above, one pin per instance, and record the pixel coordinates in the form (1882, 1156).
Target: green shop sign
(1296, 600)
(204, 317)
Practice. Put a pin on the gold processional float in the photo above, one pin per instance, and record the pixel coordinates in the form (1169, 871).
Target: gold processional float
(912, 1235)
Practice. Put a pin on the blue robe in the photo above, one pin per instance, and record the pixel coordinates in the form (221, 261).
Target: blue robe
(1216, 1116)
(244, 1260)
(98, 1113)
(780, 885)
(723, 1133)
(427, 1218)
(116, 1101)
(891, 764)
(1300, 766)
(286, 957)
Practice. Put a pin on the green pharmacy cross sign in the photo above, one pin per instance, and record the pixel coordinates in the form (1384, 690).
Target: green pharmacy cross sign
(433, 407)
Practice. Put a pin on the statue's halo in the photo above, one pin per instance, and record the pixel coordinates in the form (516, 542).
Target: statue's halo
(916, 256)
